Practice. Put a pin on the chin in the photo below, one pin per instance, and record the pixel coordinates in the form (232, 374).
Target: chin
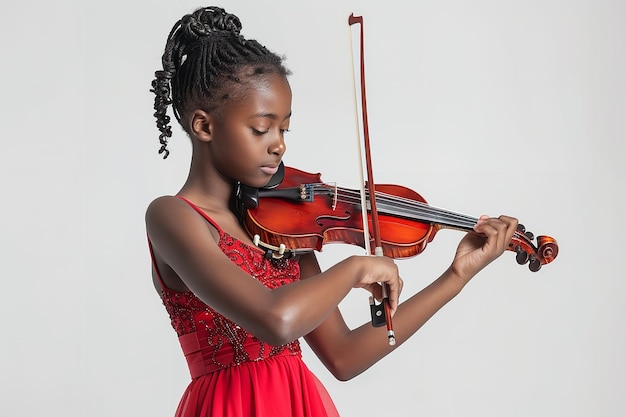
(257, 183)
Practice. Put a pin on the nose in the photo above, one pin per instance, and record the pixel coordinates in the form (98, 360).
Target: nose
(278, 146)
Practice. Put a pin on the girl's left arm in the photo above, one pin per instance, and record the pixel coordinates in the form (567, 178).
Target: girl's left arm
(348, 352)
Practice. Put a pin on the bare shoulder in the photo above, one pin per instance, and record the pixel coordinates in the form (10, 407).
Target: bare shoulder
(167, 216)
(177, 231)
(163, 205)
(165, 209)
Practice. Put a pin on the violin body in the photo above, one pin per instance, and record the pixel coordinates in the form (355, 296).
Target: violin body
(303, 213)
(309, 225)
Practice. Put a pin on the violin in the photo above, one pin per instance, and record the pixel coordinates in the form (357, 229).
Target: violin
(300, 213)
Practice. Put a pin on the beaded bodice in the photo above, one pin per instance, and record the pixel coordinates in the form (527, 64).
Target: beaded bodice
(210, 340)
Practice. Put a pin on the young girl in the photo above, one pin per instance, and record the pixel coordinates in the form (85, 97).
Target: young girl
(238, 315)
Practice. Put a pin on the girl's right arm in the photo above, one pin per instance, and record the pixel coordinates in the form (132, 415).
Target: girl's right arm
(187, 243)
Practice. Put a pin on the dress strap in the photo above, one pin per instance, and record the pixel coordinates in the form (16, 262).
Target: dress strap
(203, 214)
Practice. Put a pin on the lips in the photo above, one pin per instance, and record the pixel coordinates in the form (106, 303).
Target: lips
(269, 169)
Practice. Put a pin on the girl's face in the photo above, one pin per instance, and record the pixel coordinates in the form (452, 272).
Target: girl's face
(248, 139)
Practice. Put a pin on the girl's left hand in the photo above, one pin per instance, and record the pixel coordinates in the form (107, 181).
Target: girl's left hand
(477, 249)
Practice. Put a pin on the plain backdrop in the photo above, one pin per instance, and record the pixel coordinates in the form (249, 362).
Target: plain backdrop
(482, 107)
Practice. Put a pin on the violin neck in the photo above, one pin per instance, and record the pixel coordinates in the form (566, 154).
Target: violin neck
(409, 208)
(422, 212)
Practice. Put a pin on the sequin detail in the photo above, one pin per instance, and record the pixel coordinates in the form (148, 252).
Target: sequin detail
(210, 340)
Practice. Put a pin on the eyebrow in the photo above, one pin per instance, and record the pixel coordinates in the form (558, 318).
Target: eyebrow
(270, 116)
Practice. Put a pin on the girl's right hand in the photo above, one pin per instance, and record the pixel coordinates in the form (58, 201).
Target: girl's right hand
(376, 270)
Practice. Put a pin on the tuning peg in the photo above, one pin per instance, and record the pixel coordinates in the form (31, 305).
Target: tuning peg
(529, 235)
(522, 255)
(535, 264)
(521, 228)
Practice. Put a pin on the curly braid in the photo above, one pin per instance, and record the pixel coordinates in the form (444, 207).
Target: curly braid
(204, 57)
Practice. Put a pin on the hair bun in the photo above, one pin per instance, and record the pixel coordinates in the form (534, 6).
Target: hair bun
(204, 21)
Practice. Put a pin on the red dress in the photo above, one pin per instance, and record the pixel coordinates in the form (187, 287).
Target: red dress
(234, 373)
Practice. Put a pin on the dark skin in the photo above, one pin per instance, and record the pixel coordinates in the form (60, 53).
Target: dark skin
(245, 143)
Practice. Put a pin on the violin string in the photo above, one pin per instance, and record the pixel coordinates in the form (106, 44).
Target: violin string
(410, 204)
(405, 207)
(415, 210)
(408, 207)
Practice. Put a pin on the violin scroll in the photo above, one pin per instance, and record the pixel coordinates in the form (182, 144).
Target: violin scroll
(544, 252)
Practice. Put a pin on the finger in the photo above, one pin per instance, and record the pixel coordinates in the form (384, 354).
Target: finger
(510, 226)
(496, 232)
(499, 231)
(395, 289)
(502, 228)
(376, 290)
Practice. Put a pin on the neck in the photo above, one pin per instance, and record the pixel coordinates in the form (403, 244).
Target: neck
(206, 187)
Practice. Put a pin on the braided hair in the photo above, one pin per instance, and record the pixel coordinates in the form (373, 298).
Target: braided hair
(205, 56)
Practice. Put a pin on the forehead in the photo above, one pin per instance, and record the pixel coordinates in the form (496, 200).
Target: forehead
(263, 94)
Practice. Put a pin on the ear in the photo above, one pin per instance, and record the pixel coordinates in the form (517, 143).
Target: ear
(201, 125)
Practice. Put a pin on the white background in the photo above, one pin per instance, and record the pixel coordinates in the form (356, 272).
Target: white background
(482, 107)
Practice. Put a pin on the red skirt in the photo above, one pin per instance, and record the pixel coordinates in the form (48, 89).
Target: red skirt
(280, 386)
